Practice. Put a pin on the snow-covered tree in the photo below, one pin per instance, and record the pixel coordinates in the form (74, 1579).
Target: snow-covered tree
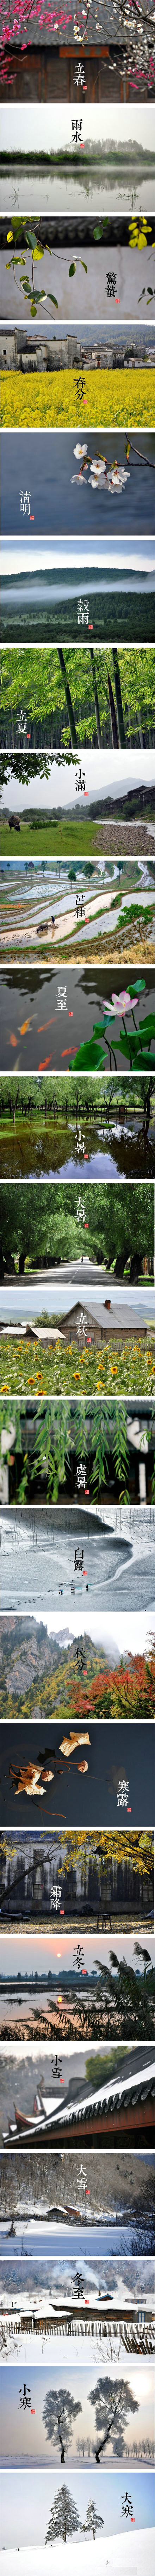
(59, 2412)
(64, 2518)
(113, 2401)
(94, 2521)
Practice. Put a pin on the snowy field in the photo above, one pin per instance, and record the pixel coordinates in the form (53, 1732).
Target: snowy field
(126, 2555)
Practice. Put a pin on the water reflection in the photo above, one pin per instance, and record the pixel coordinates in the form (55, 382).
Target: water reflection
(106, 1154)
(73, 188)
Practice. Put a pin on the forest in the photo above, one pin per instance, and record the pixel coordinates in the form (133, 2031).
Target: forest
(83, 2190)
(48, 606)
(107, 1102)
(79, 697)
(42, 1228)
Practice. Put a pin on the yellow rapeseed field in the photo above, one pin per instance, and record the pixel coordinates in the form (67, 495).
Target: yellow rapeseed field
(119, 399)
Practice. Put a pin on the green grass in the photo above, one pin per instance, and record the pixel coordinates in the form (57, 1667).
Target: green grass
(69, 838)
(44, 1369)
(75, 838)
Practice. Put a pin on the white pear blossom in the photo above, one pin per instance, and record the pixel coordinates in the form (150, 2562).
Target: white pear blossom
(114, 476)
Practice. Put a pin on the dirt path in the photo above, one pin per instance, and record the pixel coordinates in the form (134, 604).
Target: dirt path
(124, 839)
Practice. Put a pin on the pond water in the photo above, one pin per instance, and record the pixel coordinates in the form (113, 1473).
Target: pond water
(30, 2009)
(71, 190)
(103, 1155)
(44, 1019)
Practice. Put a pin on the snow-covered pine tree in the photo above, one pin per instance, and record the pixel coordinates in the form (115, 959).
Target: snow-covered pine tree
(64, 2518)
(94, 2521)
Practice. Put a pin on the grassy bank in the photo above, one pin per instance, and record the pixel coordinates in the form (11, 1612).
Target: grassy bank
(79, 838)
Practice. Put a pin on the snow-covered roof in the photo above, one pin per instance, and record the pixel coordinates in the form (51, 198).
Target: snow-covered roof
(116, 2095)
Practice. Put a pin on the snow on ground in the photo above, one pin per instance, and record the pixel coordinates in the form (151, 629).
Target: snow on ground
(123, 2555)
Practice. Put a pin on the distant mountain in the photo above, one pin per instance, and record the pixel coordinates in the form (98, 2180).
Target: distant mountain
(134, 801)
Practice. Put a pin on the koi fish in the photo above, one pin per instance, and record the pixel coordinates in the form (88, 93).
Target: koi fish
(13, 1040)
(46, 1060)
(26, 1024)
(45, 1024)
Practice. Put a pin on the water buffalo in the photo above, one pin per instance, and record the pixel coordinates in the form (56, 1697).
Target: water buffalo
(14, 824)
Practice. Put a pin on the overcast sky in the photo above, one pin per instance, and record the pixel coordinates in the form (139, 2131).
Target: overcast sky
(120, 1640)
(34, 128)
(102, 775)
(27, 554)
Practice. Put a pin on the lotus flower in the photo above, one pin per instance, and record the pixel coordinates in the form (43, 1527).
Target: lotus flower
(123, 1001)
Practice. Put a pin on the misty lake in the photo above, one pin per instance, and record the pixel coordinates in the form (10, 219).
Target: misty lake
(101, 185)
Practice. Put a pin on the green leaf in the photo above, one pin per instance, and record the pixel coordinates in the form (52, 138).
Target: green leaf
(82, 265)
(40, 297)
(53, 300)
(97, 232)
(72, 270)
(30, 237)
